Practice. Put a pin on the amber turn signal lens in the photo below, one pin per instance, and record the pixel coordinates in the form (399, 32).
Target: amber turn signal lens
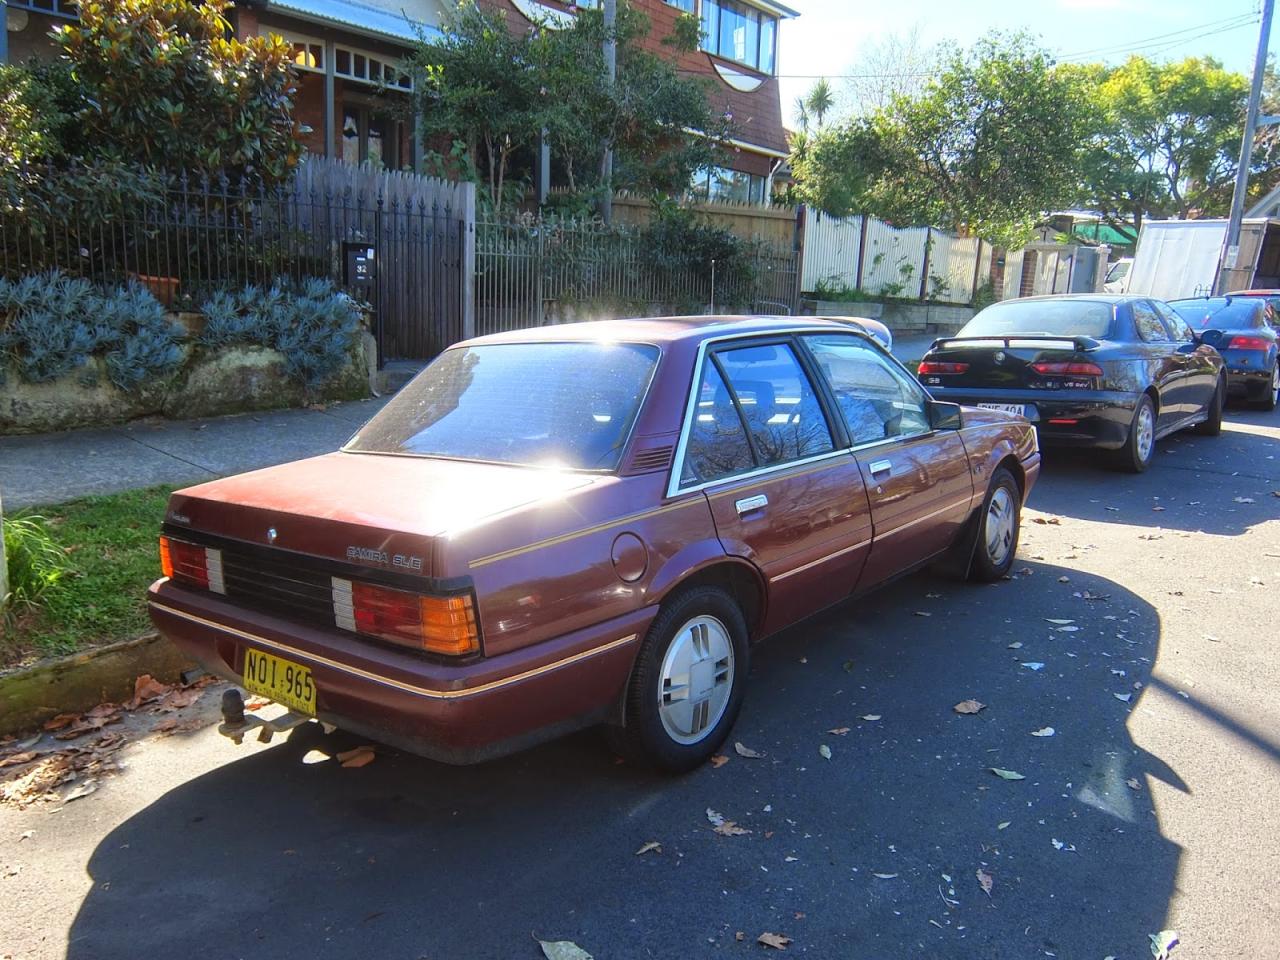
(166, 558)
(444, 625)
(449, 625)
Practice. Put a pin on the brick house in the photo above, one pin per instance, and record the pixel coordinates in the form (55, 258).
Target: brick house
(354, 98)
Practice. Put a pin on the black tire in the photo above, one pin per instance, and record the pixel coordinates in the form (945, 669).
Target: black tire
(1213, 425)
(1003, 494)
(643, 736)
(1271, 398)
(1130, 457)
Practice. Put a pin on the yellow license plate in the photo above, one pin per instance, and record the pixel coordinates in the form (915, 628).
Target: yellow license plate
(279, 680)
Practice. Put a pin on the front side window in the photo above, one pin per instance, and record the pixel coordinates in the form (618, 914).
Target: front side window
(780, 407)
(876, 400)
(1148, 323)
(558, 405)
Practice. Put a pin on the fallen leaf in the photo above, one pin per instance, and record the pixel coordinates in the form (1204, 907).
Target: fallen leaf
(1007, 774)
(1133, 784)
(739, 936)
(1047, 520)
(969, 706)
(1065, 847)
(164, 726)
(60, 721)
(1016, 645)
(871, 717)
(1162, 943)
(82, 789)
(839, 731)
(778, 941)
(922, 613)
(790, 859)
(1061, 623)
(1034, 665)
(1243, 500)
(1064, 579)
(714, 817)
(653, 846)
(719, 760)
(1043, 732)
(314, 756)
(884, 876)
(731, 829)
(985, 880)
(747, 752)
(147, 688)
(563, 950)
(26, 835)
(1158, 509)
(16, 758)
(825, 752)
(357, 757)
(1067, 629)
(848, 666)
(1124, 697)
(1003, 824)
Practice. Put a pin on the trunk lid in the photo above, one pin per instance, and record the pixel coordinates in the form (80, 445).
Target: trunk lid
(1005, 362)
(385, 512)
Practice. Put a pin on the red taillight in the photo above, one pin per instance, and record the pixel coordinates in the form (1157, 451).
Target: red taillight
(192, 564)
(1248, 343)
(437, 624)
(941, 366)
(1067, 369)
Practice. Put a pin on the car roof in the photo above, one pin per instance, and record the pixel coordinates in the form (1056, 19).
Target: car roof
(662, 330)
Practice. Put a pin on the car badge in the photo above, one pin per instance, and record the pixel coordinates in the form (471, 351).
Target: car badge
(999, 357)
(271, 534)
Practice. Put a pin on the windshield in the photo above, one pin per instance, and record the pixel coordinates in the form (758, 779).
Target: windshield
(1220, 313)
(538, 404)
(1054, 318)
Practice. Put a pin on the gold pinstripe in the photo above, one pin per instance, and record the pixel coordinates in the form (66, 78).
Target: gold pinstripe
(426, 692)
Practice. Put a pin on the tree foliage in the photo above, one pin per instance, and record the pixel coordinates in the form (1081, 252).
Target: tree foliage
(987, 146)
(1166, 142)
(492, 91)
(164, 83)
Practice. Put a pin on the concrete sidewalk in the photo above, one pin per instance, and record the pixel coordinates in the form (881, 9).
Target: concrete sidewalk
(55, 467)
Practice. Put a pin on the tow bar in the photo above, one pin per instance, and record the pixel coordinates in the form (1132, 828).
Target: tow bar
(235, 724)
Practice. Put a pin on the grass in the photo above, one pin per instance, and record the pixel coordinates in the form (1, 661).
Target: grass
(111, 558)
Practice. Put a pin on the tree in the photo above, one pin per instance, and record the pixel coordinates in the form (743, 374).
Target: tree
(897, 65)
(820, 100)
(989, 144)
(505, 88)
(1166, 141)
(163, 83)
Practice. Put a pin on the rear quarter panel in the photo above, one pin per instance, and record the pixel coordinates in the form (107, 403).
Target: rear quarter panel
(990, 437)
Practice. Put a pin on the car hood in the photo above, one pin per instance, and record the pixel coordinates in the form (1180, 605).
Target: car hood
(364, 508)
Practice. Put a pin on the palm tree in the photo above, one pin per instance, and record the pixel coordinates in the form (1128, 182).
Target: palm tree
(802, 114)
(820, 100)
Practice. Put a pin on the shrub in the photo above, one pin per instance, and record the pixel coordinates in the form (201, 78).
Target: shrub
(52, 324)
(831, 288)
(35, 562)
(675, 243)
(313, 325)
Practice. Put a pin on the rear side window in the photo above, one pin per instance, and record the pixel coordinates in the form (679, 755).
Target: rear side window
(1174, 322)
(718, 445)
(1148, 323)
(876, 400)
(778, 403)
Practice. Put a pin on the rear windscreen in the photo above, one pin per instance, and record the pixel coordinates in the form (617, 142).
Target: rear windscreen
(1219, 313)
(1053, 318)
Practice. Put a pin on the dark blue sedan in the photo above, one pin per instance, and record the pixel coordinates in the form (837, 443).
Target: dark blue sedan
(1243, 330)
(1095, 370)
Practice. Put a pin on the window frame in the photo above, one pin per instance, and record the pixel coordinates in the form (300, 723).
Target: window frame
(711, 29)
(1137, 329)
(826, 400)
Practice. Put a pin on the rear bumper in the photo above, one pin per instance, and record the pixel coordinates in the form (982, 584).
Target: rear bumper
(1247, 381)
(1076, 418)
(456, 713)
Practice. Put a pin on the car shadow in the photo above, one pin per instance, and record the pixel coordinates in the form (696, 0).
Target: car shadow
(1212, 472)
(869, 848)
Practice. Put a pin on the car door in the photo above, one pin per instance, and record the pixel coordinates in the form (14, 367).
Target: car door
(782, 493)
(918, 480)
(1200, 374)
(1167, 368)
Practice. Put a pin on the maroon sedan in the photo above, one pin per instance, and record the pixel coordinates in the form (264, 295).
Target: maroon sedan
(586, 524)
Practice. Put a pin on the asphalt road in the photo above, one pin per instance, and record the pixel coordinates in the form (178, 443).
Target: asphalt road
(1134, 817)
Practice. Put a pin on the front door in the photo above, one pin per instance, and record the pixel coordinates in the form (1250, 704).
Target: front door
(918, 480)
(781, 494)
(1169, 368)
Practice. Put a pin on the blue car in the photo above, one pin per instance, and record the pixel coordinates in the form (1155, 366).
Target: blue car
(1243, 329)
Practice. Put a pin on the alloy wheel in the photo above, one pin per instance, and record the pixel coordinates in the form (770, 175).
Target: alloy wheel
(1146, 427)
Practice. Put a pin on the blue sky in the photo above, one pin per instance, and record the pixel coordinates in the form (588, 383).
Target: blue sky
(825, 39)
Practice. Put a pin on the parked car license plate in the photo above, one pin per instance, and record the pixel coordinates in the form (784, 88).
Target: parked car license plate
(1023, 410)
(279, 680)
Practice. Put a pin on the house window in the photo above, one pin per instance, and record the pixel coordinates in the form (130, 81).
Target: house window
(369, 136)
(738, 32)
(685, 5)
(722, 185)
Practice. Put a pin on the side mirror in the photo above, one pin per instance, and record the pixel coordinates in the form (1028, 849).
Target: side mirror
(944, 416)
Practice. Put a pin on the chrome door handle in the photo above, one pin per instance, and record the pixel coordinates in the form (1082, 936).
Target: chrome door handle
(880, 466)
(751, 503)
